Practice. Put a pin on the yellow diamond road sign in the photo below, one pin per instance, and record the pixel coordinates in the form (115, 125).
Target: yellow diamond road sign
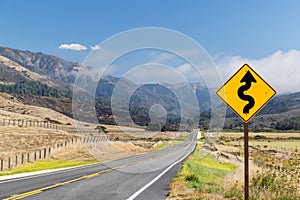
(246, 93)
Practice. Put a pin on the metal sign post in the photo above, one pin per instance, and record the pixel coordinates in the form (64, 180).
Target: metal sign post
(246, 161)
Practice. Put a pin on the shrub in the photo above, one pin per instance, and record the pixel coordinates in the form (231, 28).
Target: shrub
(276, 185)
(191, 177)
(235, 193)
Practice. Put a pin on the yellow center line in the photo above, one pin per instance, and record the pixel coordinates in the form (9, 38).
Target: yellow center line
(67, 182)
(26, 194)
(50, 187)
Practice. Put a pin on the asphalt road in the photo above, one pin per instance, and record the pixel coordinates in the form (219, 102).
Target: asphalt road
(143, 177)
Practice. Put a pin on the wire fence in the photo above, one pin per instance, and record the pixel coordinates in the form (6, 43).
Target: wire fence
(10, 162)
(37, 123)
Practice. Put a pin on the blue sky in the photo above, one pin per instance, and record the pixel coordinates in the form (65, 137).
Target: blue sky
(228, 30)
(253, 30)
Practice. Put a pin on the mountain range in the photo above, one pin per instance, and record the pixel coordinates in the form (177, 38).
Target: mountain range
(46, 80)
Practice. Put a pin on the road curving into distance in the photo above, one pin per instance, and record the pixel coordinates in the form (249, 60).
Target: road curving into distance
(142, 177)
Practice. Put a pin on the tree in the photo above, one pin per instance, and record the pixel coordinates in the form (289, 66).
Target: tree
(101, 129)
(164, 128)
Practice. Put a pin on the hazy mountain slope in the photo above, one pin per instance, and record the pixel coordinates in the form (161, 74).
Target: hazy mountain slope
(51, 66)
(11, 72)
(24, 72)
(10, 107)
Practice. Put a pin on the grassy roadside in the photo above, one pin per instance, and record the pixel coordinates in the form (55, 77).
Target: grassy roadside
(165, 145)
(200, 177)
(45, 164)
(172, 143)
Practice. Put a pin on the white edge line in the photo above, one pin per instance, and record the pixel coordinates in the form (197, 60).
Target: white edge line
(132, 197)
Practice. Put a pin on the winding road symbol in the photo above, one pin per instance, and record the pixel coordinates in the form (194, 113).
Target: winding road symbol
(248, 79)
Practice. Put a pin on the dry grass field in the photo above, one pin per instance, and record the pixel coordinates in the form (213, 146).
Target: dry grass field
(19, 140)
(277, 141)
(265, 134)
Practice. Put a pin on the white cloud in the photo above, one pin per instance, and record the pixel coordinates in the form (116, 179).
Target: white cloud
(154, 73)
(75, 47)
(281, 69)
(164, 56)
(161, 57)
(185, 68)
(189, 72)
(96, 47)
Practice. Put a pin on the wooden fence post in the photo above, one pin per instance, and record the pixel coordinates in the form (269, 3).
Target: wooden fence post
(1, 165)
(8, 162)
(45, 152)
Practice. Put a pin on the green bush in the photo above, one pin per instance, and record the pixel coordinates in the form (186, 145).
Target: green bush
(191, 177)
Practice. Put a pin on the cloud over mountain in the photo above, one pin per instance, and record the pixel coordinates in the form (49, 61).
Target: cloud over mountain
(96, 47)
(75, 47)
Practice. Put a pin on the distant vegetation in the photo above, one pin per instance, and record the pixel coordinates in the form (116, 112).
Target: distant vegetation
(34, 88)
(288, 124)
(101, 129)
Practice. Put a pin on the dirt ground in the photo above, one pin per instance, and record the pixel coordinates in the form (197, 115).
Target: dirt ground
(18, 140)
(11, 108)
